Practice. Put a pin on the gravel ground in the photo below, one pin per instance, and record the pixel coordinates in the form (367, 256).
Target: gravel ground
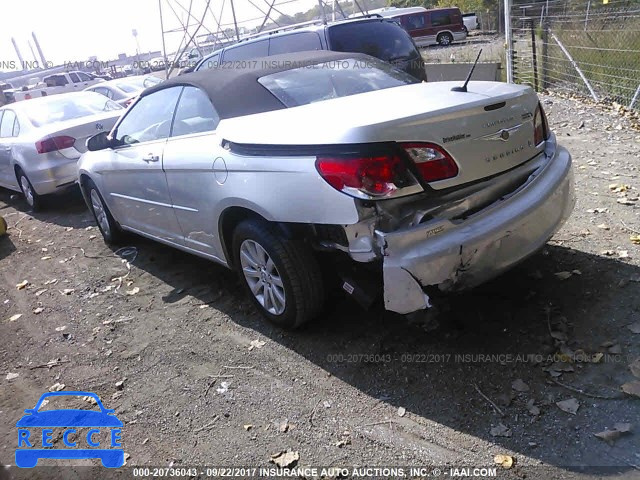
(207, 382)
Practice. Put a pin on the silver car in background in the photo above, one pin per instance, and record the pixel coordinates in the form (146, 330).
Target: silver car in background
(42, 139)
(125, 90)
(336, 160)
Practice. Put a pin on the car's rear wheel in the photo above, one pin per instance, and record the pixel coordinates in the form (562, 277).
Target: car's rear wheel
(109, 228)
(282, 277)
(445, 39)
(33, 199)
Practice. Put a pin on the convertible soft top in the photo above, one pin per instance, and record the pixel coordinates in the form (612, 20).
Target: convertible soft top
(234, 89)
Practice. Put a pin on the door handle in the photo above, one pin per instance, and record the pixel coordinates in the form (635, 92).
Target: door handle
(151, 158)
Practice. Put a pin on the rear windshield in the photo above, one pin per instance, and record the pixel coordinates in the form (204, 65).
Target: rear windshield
(385, 40)
(62, 108)
(341, 78)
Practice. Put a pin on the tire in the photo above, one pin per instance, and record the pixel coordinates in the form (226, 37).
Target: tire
(109, 228)
(445, 39)
(32, 198)
(281, 276)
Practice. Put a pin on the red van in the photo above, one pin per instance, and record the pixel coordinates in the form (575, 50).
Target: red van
(441, 26)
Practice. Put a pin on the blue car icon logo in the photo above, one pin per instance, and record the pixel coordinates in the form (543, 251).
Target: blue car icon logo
(97, 429)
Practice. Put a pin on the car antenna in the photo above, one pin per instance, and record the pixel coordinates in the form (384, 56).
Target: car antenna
(463, 88)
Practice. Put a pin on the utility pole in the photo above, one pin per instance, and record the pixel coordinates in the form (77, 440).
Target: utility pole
(235, 22)
(164, 46)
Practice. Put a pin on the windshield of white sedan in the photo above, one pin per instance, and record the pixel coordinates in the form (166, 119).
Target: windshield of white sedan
(60, 109)
(134, 85)
(341, 78)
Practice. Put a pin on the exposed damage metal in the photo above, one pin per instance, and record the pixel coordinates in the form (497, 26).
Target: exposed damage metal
(462, 238)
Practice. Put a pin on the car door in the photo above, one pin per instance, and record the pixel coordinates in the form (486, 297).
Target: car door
(85, 79)
(9, 131)
(135, 184)
(416, 25)
(75, 80)
(195, 170)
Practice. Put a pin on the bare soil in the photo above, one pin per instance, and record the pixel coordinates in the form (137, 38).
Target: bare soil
(354, 388)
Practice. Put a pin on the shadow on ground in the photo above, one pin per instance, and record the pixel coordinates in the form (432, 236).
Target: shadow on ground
(505, 330)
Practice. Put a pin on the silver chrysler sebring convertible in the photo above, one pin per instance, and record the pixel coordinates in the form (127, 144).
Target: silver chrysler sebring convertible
(296, 166)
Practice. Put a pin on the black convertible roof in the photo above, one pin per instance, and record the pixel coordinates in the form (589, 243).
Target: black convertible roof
(234, 89)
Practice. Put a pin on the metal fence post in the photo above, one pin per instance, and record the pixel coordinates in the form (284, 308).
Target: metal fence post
(535, 57)
(635, 97)
(545, 55)
(508, 40)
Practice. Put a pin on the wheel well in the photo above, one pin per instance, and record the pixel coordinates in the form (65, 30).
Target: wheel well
(229, 220)
(83, 180)
(444, 32)
(232, 216)
(83, 189)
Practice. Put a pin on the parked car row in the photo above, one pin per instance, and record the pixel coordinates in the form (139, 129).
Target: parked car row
(125, 90)
(376, 36)
(59, 83)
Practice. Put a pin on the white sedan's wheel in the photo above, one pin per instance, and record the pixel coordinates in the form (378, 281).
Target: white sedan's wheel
(100, 212)
(30, 195)
(111, 231)
(262, 277)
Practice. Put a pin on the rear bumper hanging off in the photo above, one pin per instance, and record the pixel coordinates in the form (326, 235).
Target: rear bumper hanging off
(464, 254)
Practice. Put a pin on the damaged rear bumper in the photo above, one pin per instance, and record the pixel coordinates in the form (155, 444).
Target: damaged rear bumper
(458, 254)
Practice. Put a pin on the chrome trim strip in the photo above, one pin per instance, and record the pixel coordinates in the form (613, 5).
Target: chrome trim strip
(150, 202)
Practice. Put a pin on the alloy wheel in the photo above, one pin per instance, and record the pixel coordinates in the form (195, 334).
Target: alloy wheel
(26, 190)
(263, 277)
(100, 212)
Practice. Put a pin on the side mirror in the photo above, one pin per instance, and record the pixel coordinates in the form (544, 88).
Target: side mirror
(100, 141)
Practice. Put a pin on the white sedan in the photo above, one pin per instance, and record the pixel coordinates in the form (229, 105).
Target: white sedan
(125, 90)
(41, 140)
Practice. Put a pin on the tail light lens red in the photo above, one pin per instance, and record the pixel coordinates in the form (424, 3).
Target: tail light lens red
(540, 126)
(368, 177)
(386, 175)
(52, 144)
(432, 161)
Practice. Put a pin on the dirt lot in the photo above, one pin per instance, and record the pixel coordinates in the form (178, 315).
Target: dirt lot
(207, 382)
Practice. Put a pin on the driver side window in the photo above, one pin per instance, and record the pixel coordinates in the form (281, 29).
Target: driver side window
(150, 118)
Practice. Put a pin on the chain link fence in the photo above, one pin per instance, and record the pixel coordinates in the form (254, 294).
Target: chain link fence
(585, 48)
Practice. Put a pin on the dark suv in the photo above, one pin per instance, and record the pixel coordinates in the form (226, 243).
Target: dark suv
(372, 35)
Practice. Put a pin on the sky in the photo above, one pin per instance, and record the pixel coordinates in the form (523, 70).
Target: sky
(74, 30)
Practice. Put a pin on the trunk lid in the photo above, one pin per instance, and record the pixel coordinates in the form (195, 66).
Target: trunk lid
(487, 130)
(81, 129)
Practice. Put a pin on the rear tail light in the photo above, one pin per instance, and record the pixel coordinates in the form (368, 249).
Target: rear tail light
(368, 177)
(432, 161)
(52, 144)
(540, 126)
